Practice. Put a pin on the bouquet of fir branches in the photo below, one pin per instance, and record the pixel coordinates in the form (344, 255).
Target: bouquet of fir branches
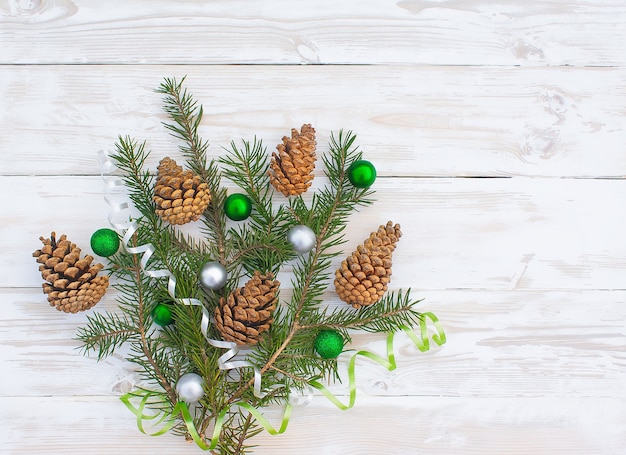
(210, 330)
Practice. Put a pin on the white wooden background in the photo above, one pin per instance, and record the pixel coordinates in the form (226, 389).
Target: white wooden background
(525, 268)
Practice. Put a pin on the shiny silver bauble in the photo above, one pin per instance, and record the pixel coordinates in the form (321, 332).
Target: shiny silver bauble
(213, 276)
(190, 388)
(302, 238)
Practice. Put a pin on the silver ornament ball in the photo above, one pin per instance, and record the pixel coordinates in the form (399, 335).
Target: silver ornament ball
(302, 238)
(190, 387)
(213, 276)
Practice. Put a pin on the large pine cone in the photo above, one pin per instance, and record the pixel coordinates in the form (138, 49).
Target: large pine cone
(180, 195)
(291, 169)
(247, 312)
(71, 282)
(363, 277)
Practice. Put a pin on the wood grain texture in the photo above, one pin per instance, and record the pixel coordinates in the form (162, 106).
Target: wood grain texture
(458, 233)
(525, 273)
(411, 120)
(425, 425)
(557, 344)
(435, 32)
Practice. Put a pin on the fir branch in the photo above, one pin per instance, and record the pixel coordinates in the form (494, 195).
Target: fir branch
(155, 371)
(130, 158)
(252, 249)
(389, 314)
(328, 215)
(186, 115)
(138, 295)
(235, 434)
(105, 333)
(138, 291)
(262, 241)
(259, 250)
(243, 434)
(248, 168)
(299, 365)
(187, 243)
(214, 219)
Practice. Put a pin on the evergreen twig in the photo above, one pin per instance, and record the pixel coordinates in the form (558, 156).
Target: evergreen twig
(261, 243)
(186, 115)
(105, 332)
(328, 216)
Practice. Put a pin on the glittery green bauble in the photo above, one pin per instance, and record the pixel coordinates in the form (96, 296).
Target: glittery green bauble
(362, 174)
(105, 242)
(162, 314)
(329, 344)
(237, 207)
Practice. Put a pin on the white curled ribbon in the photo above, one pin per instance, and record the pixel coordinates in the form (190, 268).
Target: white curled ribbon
(226, 361)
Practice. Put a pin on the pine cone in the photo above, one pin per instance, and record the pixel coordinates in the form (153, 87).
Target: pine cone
(71, 282)
(247, 312)
(363, 277)
(180, 195)
(291, 170)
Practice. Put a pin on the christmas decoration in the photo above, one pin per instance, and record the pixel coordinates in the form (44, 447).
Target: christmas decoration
(243, 345)
(364, 276)
(247, 312)
(105, 242)
(162, 314)
(71, 283)
(302, 238)
(190, 388)
(362, 174)
(180, 196)
(328, 344)
(291, 169)
(213, 275)
(237, 207)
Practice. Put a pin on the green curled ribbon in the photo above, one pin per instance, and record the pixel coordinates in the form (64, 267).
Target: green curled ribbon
(169, 419)
(422, 342)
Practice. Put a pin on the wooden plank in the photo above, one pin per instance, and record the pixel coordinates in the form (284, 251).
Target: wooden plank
(525, 274)
(290, 32)
(390, 425)
(458, 233)
(412, 121)
(555, 344)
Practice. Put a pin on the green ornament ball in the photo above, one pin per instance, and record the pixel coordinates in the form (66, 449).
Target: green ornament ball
(362, 174)
(162, 314)
(328, 344)
(238, 207)
(105, 242)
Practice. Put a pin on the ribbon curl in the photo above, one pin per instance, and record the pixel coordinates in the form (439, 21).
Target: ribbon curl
(422, 342)
(181, 408)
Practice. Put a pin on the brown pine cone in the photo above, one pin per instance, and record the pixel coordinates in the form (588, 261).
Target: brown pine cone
(247, 312)
(363, 276)
(180, 195)
(71, 282)
(291, 169)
